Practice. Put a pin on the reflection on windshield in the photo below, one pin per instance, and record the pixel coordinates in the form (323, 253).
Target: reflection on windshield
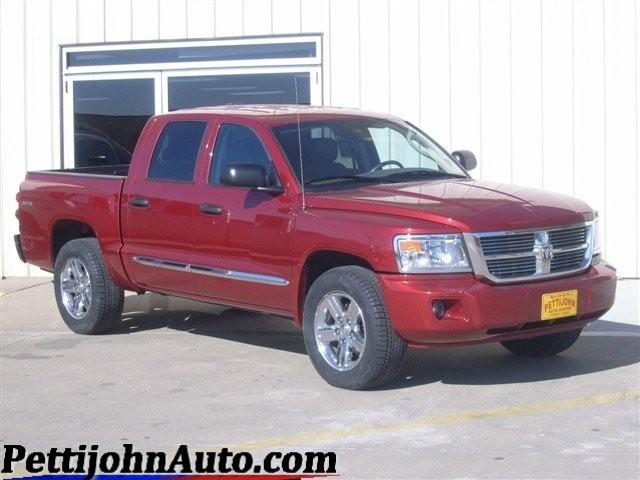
(363, 149)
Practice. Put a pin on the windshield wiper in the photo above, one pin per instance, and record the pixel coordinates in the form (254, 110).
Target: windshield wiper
(344, 177)
(423, 173)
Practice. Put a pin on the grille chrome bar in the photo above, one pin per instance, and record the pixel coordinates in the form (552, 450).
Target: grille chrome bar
(534, 254)
(531, 253)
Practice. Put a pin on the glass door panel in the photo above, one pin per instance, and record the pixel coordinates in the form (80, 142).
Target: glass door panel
(104, 117)
(190, 89)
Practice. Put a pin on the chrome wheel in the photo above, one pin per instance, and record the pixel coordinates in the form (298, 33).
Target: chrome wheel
(340, 331)
(75, 288)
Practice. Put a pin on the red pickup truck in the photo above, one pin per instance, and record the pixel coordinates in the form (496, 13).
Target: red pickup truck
(359, 226)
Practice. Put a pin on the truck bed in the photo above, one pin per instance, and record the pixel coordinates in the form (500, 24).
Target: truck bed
(85, 196)
(106, 170)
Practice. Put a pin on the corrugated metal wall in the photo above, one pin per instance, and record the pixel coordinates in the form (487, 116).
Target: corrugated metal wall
(544, 91)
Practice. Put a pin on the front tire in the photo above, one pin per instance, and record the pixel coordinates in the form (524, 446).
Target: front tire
(88, 300)
(543, 346)
(347, 331)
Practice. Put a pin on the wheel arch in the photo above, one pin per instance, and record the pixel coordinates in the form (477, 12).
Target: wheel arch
(64, 230)
(318, 262)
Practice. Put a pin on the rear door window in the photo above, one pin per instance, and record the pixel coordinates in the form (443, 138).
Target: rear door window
(176, 153)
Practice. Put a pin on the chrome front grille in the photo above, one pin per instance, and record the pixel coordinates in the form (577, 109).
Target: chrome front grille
(510, 268)
(568, 260)
(531, 254)
(499, 244)
(568, 237)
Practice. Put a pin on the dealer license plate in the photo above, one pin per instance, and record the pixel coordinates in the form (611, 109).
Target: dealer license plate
(559, 304)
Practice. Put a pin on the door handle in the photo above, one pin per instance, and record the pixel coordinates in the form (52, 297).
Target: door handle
(139, 202)
(210, 209)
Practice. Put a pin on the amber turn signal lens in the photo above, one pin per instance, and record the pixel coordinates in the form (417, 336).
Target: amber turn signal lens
(410, 246)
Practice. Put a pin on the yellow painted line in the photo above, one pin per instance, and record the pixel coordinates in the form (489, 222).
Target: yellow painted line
(447, 419)
(298, 440)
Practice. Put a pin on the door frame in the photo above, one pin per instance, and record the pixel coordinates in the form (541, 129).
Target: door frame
(160, 71)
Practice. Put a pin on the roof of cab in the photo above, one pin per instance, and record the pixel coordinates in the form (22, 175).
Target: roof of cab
(280, 113)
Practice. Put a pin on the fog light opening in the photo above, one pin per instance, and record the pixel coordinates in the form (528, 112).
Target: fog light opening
(439, 308)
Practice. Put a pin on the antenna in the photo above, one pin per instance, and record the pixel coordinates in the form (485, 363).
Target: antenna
(295, 85)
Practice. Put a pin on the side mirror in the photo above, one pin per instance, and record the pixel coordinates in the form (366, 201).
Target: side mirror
(249, 175)
(466, 159)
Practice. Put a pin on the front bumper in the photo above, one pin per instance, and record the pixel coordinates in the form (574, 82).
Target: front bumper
(482, 312)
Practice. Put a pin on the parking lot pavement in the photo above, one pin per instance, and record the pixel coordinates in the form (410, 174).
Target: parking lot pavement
(177, 371)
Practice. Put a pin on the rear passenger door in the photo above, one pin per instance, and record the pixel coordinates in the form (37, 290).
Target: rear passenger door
(158, 208)
(242, 252)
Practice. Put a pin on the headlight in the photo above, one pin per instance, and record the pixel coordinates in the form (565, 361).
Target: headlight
(431, 253)
(596, 240)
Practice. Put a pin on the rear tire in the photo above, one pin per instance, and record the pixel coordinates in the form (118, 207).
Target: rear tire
(345, 312)
(88, 300)
(543, 346)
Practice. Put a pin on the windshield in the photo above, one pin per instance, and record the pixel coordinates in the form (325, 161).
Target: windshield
(363, 150)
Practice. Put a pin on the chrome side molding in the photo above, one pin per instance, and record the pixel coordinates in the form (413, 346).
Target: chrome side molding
(212, 272)
(169, 265)
(235, 275)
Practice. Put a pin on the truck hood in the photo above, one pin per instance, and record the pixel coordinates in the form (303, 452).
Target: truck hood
(467, 205)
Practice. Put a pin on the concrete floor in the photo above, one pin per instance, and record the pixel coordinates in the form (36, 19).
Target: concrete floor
(177, 371)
